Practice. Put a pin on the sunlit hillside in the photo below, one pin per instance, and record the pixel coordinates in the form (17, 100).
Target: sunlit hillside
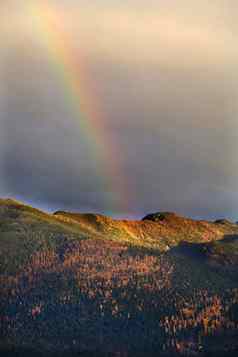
(83, 283)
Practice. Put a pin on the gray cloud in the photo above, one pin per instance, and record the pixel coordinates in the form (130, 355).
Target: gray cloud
(170, 110)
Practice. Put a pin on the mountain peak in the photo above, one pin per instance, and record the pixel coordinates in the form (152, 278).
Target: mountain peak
(161, 216)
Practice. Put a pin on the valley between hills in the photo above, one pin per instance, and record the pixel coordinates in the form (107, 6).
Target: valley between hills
(88, 285)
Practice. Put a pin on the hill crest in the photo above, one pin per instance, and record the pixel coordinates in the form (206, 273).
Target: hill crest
(160, 230)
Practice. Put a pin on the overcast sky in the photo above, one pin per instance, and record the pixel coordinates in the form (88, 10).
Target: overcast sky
(164, 75)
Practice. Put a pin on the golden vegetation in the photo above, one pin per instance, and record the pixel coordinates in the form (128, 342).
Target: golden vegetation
(92, 282)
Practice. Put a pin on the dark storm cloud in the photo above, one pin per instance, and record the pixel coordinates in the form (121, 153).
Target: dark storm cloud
(168, 95)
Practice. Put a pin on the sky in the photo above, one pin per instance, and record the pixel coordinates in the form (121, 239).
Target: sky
(120, 107)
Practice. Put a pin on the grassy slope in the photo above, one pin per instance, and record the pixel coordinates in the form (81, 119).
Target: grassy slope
(149, 233)
(24, 230)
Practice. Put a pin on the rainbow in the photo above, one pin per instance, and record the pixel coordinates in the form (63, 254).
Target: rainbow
(70, 67)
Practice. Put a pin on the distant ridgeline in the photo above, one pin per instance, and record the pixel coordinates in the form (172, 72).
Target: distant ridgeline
(85, 283)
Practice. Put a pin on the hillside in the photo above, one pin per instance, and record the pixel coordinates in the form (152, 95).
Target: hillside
(157, 231)
(87, 283)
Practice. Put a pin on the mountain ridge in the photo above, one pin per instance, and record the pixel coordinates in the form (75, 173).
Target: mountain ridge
(160, 230)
